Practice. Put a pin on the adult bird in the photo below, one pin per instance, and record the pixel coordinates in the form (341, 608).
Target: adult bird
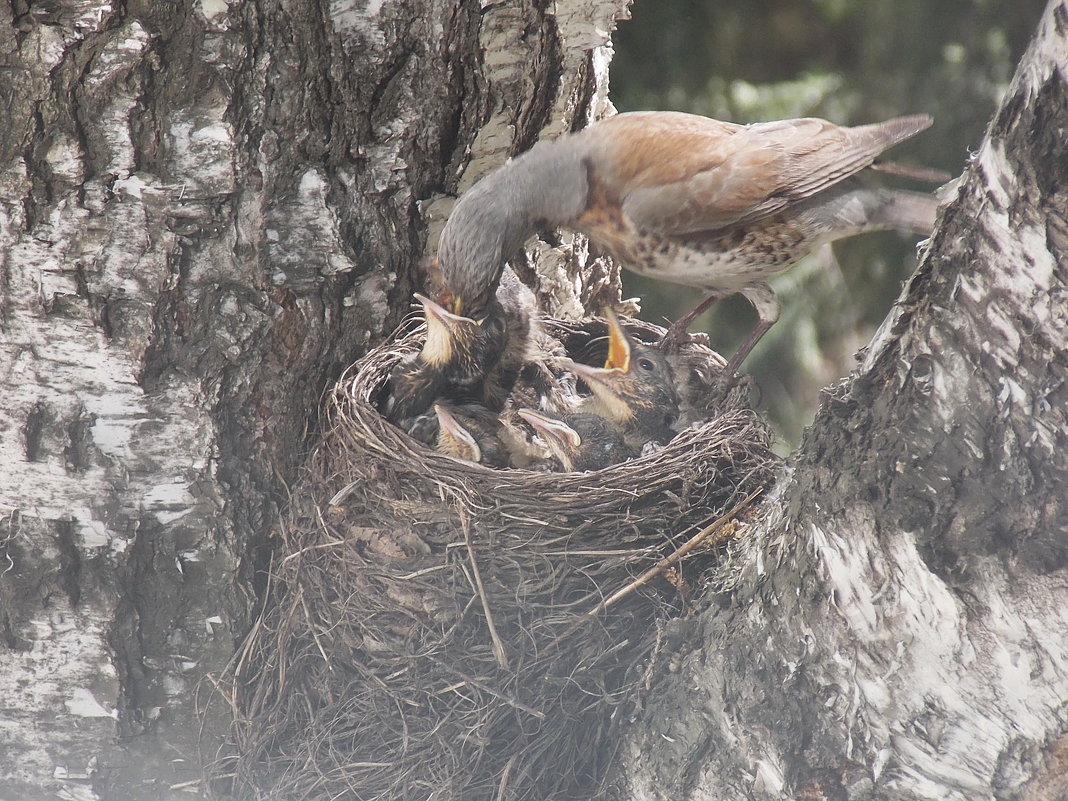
(635, 390)
(579, 442)
(686, 199)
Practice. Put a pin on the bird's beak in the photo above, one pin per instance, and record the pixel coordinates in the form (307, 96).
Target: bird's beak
(603, 382)
(551, 427)
(441, 329)
(618, 344)
(449, 319)
(452, 427)
(436, 283)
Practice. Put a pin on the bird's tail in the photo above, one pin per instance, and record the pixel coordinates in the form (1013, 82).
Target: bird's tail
(906, 211)
(859, 210)
(889, 132)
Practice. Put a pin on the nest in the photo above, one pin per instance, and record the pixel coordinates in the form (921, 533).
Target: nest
(436, 629)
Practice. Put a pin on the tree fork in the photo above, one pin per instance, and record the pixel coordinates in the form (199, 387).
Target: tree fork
(897, 628)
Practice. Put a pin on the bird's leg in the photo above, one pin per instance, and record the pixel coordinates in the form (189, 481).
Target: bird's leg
(767, 308)
(677, 332)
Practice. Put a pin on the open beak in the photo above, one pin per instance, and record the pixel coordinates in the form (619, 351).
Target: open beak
(440, 315)
(595, 377)
(454, 304)
(551, 427)
(442, 328)
(468, 447)
(604, 383)
(618, 344)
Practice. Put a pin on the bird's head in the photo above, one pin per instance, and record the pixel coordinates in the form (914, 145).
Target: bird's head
(564, 442)
(543, 188)
(635, 388)
(471, 252)
(440, 290)
(453, 438)
(462, 347)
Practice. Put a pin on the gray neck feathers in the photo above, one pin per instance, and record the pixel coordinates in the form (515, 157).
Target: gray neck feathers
(548, 182)
(543, 187)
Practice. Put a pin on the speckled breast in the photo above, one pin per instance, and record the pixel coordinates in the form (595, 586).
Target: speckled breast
(725, 260)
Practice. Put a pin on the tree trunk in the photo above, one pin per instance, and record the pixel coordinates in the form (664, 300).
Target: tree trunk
(207, 211)
(897, 628)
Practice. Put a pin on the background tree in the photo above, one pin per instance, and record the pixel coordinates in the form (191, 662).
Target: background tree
(896, 628)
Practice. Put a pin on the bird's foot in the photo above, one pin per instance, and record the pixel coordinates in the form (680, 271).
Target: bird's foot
(676, 336)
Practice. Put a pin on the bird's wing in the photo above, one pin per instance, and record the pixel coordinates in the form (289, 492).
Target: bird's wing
(684, 174)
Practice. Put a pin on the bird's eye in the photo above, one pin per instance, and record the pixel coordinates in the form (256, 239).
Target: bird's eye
(645, 364)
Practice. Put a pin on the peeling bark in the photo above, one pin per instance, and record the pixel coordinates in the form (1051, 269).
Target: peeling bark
(898, 629)
(207, 210)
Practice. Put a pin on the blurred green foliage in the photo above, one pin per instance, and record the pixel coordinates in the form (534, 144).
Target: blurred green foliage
(850, 61)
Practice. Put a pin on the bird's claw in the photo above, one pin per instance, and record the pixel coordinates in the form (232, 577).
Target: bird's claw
(677, 336)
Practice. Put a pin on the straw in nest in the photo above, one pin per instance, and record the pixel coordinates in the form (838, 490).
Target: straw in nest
(438, 629)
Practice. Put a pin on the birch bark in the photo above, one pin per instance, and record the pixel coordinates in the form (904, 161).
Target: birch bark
(898, 629)
(207, 211)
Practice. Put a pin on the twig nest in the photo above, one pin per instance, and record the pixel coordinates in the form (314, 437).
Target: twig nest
(408, 646)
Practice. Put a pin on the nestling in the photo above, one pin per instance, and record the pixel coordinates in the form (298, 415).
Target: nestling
(580, 442)
(634, 391)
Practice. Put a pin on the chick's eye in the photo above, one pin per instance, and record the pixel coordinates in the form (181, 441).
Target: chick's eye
(645, 364)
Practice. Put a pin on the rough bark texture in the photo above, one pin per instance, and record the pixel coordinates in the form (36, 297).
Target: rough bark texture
(207, 210)
(899, 628)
